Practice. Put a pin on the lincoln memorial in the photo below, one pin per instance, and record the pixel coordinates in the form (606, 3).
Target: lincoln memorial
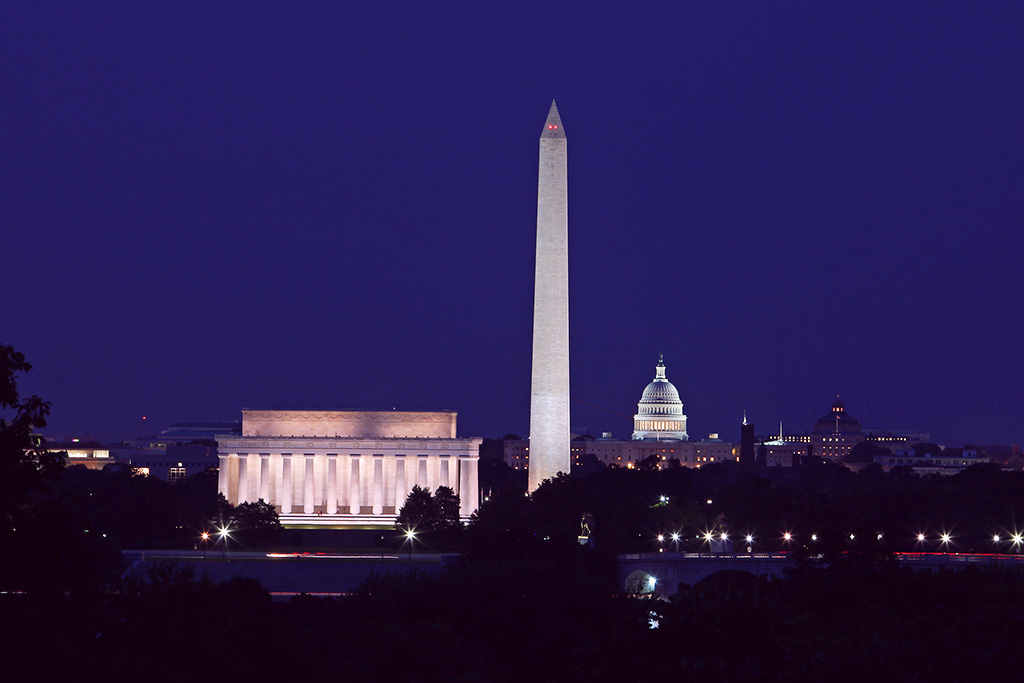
(345, 468)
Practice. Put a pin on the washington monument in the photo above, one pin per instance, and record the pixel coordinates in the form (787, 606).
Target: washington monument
(549, 397)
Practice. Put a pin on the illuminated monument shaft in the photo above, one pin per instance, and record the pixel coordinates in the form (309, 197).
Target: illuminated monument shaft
(549, 398)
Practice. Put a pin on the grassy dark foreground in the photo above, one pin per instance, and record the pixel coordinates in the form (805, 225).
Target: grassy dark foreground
(517, 620)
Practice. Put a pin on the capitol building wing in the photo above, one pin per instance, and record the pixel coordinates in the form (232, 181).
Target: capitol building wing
(345, 468)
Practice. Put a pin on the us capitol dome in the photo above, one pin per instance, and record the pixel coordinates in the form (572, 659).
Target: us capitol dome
(659, 415)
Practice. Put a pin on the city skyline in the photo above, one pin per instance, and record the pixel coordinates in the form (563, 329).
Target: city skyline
(214, 208)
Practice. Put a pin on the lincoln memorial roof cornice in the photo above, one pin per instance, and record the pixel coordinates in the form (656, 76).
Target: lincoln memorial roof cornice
(234, 441)
(352, 415)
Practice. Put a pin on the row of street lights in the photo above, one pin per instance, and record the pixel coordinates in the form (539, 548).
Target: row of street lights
(223, 534)
(1016, 540)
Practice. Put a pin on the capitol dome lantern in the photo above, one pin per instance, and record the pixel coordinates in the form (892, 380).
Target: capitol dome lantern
(659, 415)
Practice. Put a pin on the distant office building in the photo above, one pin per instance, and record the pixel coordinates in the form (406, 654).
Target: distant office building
(949, 462)
(783, 451)
(345, 468)
(171, 463)
(896, 438)
(89, 454)
(187, 432)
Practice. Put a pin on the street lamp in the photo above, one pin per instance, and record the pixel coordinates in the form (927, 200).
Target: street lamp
(205, 539)
(675, 541)
(225, 533)
(945, 542)
(410, 536)
(750, 543)
(1017, 539)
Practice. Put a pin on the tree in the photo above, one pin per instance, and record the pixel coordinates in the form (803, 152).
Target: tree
(586, 464)
(257, 521)
(425, 512)
(50, 546)
(416, 509)
(446, 508)
(25, 464)
(865, 452)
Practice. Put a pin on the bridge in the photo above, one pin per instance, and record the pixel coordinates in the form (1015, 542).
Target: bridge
(643, 573)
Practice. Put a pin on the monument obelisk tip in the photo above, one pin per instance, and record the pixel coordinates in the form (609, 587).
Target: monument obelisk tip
(553, 125)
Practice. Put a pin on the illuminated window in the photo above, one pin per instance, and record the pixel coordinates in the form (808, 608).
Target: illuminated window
(176, 474)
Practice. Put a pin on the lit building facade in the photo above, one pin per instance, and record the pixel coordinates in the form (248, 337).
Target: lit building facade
(628, 453)
(93, 456)
(659, 414)
(782, 452)
(836, 433)
(659, 430)
(346, 468)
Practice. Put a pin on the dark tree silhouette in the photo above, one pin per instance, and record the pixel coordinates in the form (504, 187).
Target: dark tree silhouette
(446, 508)
(49, 546)
(256, 522)
(416, 510)
(425, 512)
(25, 464)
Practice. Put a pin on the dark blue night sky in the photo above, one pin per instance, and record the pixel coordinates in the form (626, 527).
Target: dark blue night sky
(210, 206)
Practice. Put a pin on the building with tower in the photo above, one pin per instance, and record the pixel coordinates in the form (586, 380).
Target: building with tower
(836, 433)
(549, 387)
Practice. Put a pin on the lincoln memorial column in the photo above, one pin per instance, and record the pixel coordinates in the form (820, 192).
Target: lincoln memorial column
(307, 496)
(400, 492)
(265, 477)
(223, 476)
(469, 494)
(421, 475)
(389, 481)
(243, 479)
(332, 484)
(344, 475)
(353, 487)
(286, 484)
(378, 484)
(474, 484)
(445, 479)
(433, 465)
